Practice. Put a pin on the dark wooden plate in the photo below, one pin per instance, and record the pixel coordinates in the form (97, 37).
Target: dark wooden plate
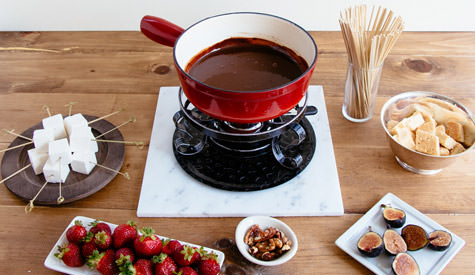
(77, 186)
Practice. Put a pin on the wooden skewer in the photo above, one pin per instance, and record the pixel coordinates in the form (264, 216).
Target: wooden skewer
(132, 119)
(139, 144)
(11, 132)
(125, 174)
(106, 116)
(15, 147)
(60, 198)
(14, 174)
(46, 109)
(29, 207)
(70, 105)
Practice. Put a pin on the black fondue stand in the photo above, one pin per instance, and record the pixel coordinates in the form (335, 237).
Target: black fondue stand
(243, 157)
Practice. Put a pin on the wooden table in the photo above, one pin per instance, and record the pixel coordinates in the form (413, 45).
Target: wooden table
(104, 71)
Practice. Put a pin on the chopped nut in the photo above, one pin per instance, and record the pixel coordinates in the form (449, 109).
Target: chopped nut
(268, 244)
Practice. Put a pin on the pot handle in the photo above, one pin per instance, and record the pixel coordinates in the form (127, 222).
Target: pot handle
(160, 30)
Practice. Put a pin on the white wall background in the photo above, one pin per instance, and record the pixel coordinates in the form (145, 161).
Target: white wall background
(47, 15)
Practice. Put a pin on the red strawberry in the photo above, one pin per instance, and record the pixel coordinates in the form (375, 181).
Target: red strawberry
(124, 234)
(125, 251)
(104, 262)
(208, 265)
(70, 254)
(148, 244)
(76, 233)
(186, 270)
(98, 226)
(186, 255)
(164, 264)
(143, 267)
(103, 240)
(88, 245)
(169, 246)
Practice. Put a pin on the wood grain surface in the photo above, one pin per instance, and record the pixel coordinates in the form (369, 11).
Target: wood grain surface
(105, 71)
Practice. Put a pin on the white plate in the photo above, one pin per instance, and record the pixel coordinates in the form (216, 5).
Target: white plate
(54, 263)
(429, 261)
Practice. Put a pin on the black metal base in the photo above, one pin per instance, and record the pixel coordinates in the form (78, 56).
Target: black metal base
(227, 169)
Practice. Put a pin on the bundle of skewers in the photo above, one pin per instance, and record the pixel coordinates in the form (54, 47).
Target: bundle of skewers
(62, 146)
(368, 39)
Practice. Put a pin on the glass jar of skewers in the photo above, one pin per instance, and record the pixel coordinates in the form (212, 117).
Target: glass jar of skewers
(361, 88)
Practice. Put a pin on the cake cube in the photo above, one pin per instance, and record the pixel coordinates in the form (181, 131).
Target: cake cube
(59, 150)
(429, 126)
(56, 124)
(405, 137)
(458, 148)
(455, 131)
(444, 139)
(414, 121)
(83, 162)
(76, 120)
(41, 138)
(81, 140)
(444, 151)
(55, 171)
(427, 143)
(37, 159)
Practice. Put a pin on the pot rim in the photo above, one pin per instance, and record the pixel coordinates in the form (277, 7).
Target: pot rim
(302, 75)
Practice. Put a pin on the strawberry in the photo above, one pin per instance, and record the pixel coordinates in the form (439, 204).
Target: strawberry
(186, 255)
(164, 264)
(103, 240)
(169, 246)
(125, 251)
(186, 270)
(143, 267)
(148, 244)
(70, 254)
(124, 234)
(208, 265)
(76, 233)
(104, 262)
(87, 249)
(98, 226)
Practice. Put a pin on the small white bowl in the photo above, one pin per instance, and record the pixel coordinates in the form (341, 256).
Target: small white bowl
(265, 222)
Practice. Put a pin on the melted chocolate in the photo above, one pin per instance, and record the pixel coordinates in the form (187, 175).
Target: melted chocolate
(246, 64)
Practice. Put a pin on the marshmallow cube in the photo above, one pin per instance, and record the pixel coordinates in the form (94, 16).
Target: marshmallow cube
(81, 140)
(41, 138)
(83, 162)
(56, 124)
(59, 150)
(37, 159)
(76, 120)
(55, 171)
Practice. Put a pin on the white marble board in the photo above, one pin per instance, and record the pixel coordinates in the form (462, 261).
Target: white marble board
(168, 191)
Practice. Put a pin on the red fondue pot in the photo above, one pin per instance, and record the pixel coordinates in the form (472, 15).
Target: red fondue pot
(235, 106)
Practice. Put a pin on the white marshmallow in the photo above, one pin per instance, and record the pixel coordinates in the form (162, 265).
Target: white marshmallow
(56, 124)
(59, 150)
(55, 171)
(76, 120)
(81, 140)
(83, 162)
(37, 159)
(41, 138)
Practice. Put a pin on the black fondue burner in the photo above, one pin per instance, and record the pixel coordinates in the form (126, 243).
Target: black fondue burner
(243, 157)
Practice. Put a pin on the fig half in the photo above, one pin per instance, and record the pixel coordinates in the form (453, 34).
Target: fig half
(404, 264)
(393, 242)
(414, 236)
(440, 240)
(395, 217)
(370, 244)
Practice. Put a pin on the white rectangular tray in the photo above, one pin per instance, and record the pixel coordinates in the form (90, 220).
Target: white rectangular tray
(429, 261)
